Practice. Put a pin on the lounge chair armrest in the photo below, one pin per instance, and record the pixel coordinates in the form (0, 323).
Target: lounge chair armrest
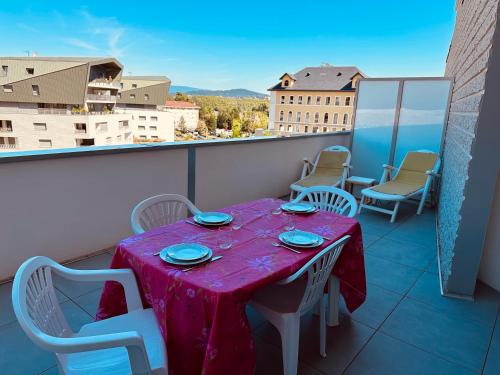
(346, 165)
(307, 168)
(387, 166)
(432, 173)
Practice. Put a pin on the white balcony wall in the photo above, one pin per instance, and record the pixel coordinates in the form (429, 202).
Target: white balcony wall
(69, 206)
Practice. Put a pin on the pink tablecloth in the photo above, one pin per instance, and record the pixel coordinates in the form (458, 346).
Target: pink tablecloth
(202, 312)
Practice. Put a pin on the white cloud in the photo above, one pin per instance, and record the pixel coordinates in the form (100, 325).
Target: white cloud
(80, 44)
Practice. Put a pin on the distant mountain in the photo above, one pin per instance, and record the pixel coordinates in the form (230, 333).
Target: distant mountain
(233, 93)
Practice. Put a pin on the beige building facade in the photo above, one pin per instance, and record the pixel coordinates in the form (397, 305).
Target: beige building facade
(65, 102)
(316, 99)
(183, 110)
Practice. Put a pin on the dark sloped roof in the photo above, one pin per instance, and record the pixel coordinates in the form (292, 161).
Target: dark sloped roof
(324, 78)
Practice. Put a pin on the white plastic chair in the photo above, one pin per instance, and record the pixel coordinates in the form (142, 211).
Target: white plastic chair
(283, 303)
(309, 169)
(127, 344)
(160, 210)
(331, 199)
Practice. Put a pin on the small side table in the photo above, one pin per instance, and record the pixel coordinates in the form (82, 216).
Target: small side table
(361, 181)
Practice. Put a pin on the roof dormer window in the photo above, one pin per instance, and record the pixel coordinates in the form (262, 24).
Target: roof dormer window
(30, 71)
(286, 83)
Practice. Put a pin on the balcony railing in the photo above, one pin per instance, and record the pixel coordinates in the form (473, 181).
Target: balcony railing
(105, 84)
(143, 169)
(80, 131)
(103, 98)
(8, 145)
(53, 111)
(6, 130)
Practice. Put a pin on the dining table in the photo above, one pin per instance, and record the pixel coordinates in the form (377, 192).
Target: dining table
(202, 312)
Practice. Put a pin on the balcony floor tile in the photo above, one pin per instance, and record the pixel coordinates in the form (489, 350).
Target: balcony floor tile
(463, 342)
(386, 355)
(492, 365)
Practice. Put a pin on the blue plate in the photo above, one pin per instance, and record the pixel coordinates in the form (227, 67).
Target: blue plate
(300, 238)
(212, 218)
(300, 207)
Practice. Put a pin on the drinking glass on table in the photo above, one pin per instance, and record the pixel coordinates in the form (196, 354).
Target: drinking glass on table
(224, 239)
(276, 211)
(236, 224)
(290, 222)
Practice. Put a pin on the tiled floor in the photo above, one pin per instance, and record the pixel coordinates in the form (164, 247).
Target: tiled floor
(404, 327)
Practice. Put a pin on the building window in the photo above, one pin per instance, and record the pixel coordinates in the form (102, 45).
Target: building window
(132, 96)
(291, 99)
(316, 117)
(118, 138)
(40, 126)
(154, 137)
(347, 101)
(318, 100)
(287, 82)
(35, 89)
(134, 85)
(119, 95)
(299, 99)
(80, 127)
(146, 97)
(142, 118)
(5, 70)
(109, 140)
(101, 126)
(325, 118)
(8, 142)
(335, 118)
(141, 127)
(337, 100)
(328, 100)
(289, 118)
(121, 85)
(143, 137)
(5, 126)
(282, 115)
(8, 88)
(345, 120)
(44, 143)
(281, 127)
(324, 129)
(315, 129)
(309, 100)
(282, 101)
(289, 128)
(153, 128)
(153, 118)
(299, 114)
(30, 71)
(306, 129)
(307, 117)
(123, 123)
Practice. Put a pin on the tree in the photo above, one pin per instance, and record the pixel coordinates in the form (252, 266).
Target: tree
(236, 126)
(182, 125)
(224, 120)
(211, 122)
(180, 97)
(201, 128)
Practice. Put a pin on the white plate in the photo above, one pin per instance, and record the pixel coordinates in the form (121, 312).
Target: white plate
(300, 207)
(164, 256)
(212, 218)
(301, 239)
(187, 252)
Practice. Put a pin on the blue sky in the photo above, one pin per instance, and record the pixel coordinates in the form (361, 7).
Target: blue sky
(234, 44)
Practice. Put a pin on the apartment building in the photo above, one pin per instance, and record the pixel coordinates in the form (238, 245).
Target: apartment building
(143, 98)
(315, 99)
(183, 110)
(64, 102)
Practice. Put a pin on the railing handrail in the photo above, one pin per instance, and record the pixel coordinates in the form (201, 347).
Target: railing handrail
(104, 97)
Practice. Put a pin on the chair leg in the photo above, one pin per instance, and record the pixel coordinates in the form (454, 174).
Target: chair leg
(322, 328)
(333, 301)
(290, 343)
(361, 203)
(395, 212)
(422, 203)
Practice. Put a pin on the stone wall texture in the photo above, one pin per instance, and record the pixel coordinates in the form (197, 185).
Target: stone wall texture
(467, 63)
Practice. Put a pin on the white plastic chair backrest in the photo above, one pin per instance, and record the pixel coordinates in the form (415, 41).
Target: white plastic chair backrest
(330, 199)
(160, 210)
(35, 302)
(318, 269)
(333, 148)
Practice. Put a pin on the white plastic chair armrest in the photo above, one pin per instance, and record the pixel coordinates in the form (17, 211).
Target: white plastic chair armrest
(387, 166)
(346, 165)
(432, 173)
(123, 276)
(131, 340)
